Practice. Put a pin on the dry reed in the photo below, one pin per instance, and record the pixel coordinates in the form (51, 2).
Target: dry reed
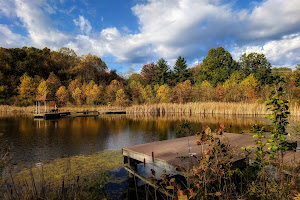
(223, 108)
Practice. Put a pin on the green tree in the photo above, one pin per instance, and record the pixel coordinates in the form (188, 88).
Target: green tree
(217, 67)
(181, 73)
(162, 74)
(256, 64)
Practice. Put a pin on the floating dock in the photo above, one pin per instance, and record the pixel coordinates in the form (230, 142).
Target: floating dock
(167, 154)
(54, 115)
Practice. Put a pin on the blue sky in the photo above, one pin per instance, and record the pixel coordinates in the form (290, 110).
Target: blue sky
(130, 33)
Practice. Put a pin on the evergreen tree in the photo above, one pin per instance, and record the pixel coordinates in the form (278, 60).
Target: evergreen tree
(163, 73)
(181, 73)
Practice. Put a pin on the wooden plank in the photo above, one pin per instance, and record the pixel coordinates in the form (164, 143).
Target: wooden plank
(166, 153)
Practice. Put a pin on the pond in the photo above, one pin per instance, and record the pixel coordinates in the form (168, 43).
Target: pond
(49, 142)
(43, 140)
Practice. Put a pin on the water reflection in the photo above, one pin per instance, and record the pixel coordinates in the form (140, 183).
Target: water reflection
(40, 140)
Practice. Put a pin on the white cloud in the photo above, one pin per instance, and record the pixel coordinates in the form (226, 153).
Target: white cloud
(7, 8)
(283, 52)
(84, 24)
(39, 26)
(8, 38)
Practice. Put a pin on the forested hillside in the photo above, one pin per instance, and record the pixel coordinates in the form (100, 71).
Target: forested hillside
(28, 73)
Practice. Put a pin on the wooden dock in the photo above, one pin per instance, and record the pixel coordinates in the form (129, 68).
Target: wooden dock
(166, 154)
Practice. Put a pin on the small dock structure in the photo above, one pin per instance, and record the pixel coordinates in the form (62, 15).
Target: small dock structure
(43, 108)
(165, 155)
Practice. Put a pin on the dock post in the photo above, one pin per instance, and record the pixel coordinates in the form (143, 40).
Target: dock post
(132, 180)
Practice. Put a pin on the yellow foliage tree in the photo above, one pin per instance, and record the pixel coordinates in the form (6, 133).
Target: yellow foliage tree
(72, 86)
(27, 91)
(136, 89)
(42, 88)
(205, 91)
(164, 94)
(249, 87)
(111, 90)
(77, 96)
(62, 95)
(121, 98)
(148, 95)
(92, 93)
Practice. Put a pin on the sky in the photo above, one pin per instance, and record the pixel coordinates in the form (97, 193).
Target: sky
(126, 34)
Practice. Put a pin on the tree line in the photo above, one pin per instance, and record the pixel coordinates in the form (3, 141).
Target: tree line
(28, 73)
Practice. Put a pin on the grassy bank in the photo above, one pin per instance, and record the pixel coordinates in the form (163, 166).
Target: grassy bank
(77, 177)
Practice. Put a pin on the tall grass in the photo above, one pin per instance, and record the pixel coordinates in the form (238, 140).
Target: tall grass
(224, 108)
(77, 177)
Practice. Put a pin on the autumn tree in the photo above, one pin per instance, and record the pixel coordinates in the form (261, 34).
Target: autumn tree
(204, 91)
(217, 67)
(72, 86)
(53, 83)
(148, 95)
(42, 88)
(258, 65)
(182, 92)
(249, 87)
(92, 93)
(3, 94)
(111, 91)
(162, 74)
(89, 67)
(77, 96)
(136, 89)
(148, 73)
(62, 95)
(232, 89)
(121, 98)
(27, 90)
(164, 94)
(219, 93)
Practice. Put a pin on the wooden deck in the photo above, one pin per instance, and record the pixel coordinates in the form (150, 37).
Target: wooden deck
(165, 154)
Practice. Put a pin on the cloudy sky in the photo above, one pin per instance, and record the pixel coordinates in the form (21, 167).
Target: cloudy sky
(130, 33)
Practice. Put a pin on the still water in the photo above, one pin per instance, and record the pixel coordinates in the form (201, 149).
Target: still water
(43, 140)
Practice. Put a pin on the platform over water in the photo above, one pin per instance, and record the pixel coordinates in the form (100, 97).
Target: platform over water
(166, 154)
